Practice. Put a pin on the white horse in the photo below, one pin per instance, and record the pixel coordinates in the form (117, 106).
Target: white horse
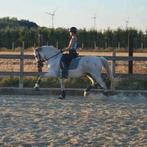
(91, 66)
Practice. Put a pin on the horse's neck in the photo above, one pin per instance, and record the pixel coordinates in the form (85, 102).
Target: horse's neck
(49, 51)
(54, 58)
(55, 61)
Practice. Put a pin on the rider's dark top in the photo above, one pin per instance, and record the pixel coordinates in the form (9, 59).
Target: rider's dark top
(66, 58)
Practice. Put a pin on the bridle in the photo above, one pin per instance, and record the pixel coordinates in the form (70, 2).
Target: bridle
(41, 61)
(46, 59)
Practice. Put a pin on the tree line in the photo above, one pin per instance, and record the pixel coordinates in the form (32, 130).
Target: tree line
(13, 32)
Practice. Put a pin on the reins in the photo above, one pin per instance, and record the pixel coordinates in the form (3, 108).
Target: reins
(40, 61)
(46, 59)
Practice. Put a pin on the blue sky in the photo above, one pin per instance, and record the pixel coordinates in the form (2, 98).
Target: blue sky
(79, 13)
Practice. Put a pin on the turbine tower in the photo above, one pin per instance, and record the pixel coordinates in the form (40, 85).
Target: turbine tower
(52, 14)
(127, 22)
(94, 21)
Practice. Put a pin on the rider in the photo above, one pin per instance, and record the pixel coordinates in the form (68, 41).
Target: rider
(72, 53)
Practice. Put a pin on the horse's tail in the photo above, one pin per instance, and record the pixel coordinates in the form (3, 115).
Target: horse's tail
(106, 66)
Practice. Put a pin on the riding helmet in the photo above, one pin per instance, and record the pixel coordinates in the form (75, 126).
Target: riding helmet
(73, 29)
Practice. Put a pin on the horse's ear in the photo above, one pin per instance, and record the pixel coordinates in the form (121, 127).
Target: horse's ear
(34, 49)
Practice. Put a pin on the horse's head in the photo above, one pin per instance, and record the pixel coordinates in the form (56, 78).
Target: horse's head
(44, 53)
(38, 57)
(37, 54)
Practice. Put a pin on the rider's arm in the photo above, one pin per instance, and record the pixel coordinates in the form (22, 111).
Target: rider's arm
(69, 45)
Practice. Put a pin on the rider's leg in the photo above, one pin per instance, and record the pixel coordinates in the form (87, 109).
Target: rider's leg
(64, 71)
(66, 60)
(64, 66)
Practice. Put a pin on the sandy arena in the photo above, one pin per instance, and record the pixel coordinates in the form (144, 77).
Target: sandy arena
(97, 120)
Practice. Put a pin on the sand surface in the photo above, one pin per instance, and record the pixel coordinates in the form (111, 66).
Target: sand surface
(97, 120)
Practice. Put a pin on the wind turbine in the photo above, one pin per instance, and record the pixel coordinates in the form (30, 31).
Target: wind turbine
(52, 14)
(127, 22)
(94, 20)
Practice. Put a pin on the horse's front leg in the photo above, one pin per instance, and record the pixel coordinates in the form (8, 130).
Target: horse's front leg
(63, 93)
(36, 87)
(87, 90)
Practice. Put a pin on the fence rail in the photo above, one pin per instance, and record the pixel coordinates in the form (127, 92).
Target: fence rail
(21, 74)
(116, 58)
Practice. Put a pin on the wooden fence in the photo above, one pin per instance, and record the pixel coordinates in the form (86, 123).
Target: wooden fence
(21, 74)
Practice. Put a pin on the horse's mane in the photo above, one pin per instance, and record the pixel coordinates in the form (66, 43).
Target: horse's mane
(51, 47)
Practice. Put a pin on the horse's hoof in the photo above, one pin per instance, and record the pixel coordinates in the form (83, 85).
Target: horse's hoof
(61, 97)
(36, 88)
(86, 93)
(63, 94)
(106, 93)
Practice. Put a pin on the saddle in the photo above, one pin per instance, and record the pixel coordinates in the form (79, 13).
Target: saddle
(65, 63)
(74, 63)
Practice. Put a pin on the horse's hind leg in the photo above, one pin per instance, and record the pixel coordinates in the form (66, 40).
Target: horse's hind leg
(86, 91)
(96, 80)
(99, 81)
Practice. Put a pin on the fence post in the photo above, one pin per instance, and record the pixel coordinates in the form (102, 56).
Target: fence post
(106, 45)
(57, 44)
(40, 39)
(130, 45)
(113, 61)
(118, 45)
(13, 46)
(21, 66)
(82, 45)
(142, 46)
(95, 45)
